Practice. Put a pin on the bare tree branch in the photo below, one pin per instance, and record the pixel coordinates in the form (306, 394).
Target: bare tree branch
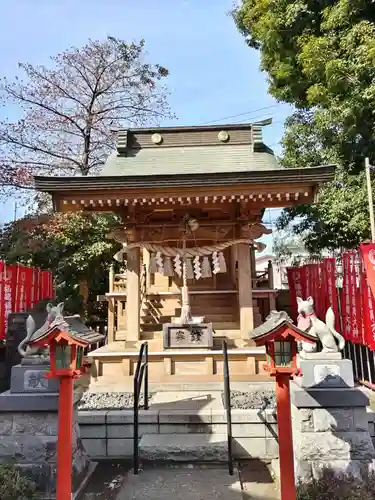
(67, 110)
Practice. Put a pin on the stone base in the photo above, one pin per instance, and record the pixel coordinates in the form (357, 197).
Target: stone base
(31, 379)
(29, 440)
(322, 373)
(10, 402)
(330, 429)
(306, 471)
(184, 448)
(320, 356)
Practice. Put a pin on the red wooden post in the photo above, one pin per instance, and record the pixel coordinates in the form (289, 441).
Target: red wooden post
(65, 437)
(284, 421)
(282, 364)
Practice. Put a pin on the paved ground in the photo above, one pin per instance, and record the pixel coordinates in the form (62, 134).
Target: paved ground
(252, 481)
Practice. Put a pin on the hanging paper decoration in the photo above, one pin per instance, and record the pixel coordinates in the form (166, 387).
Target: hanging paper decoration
(206, 268)
(168, 269)
(215, 263)
(189, 269)
(159, 262)
(222, 263)
(197, 268)
(178, 265)
(153, 264)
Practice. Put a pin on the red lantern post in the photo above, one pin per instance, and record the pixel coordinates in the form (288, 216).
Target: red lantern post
(66, 353)
(280, 337)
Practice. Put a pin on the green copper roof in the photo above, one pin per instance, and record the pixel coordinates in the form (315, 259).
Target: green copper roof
(189, 160)
(190, 150)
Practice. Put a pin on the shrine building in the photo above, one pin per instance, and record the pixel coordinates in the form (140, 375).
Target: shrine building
(190, 202)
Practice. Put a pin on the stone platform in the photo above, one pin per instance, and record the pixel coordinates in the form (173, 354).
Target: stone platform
(113, 360)
(180, 426)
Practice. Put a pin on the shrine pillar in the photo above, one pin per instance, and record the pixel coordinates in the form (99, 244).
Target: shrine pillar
(133, 294)
(245, 292)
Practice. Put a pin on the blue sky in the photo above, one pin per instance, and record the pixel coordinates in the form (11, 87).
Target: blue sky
(213, 74)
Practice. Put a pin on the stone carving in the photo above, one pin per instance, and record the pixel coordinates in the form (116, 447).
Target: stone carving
(188, 336)
(331, 340)
(34, 356)
(327, 374)
(35, 380)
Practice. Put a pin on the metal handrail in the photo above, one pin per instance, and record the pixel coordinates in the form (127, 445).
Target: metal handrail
(141, 374)
(228, 406)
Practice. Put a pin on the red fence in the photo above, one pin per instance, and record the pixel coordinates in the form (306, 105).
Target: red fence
(348, 286)
(21, 288)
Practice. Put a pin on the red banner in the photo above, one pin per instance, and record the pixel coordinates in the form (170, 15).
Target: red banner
(2, 300)
(45, 279)
(21, 288)
(354, 296)
(297, 287)
(28, 286)
(329, 290)
(314, 280)
(368, 254)
(368, 310)
(345, 302)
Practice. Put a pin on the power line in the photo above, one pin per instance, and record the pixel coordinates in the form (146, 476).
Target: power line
(241, 114)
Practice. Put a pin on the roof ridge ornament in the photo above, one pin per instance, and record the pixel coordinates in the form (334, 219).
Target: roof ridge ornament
(122, 141)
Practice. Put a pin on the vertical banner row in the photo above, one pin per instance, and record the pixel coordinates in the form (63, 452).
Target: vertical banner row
(21, 288)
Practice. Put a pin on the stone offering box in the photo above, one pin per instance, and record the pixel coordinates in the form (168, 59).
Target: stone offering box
(191, 336)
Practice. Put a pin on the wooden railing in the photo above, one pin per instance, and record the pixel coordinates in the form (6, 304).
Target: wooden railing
(264, 279)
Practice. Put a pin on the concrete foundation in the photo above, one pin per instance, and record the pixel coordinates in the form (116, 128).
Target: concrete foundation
(28, 432)
(330, 422)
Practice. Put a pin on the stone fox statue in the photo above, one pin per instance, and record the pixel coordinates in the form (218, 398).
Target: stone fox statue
(325, 332)
(54, 316)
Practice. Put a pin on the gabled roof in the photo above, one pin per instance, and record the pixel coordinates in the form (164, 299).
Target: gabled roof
(74, 326)
(314, 175)
(175, 158)
(274, 322)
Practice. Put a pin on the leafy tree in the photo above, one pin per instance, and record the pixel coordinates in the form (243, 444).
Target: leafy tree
(73, 245)
(67, 112)
(319, 55)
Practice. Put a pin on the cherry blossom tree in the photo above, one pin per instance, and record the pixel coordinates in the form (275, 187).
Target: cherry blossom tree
(68, 112)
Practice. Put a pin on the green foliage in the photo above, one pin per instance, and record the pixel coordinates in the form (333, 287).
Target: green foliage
(330, 487)
(14, 486)
(319, 55)
(73, 245)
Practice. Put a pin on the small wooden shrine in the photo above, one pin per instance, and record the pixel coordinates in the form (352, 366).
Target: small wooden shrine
(190, 202)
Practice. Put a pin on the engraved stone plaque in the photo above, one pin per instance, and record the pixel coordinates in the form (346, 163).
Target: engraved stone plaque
(327, 375)
(188, 336)
(35, 381)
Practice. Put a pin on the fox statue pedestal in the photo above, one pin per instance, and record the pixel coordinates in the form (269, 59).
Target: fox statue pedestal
(325, 370)
(28, 430)
(329, 415)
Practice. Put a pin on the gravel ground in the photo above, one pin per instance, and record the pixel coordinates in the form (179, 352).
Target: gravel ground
(253, 399)
(108, 401)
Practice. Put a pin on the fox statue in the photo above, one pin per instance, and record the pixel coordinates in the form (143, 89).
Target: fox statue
(330, 339)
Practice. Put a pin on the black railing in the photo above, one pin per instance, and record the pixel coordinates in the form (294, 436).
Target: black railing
(227, 404)
(141, 375)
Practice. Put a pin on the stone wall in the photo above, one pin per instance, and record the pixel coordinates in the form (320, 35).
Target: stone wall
(108, 434)
(338, 438)
(30, 440)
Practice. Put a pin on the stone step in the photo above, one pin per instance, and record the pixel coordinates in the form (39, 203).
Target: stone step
(184, 447)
